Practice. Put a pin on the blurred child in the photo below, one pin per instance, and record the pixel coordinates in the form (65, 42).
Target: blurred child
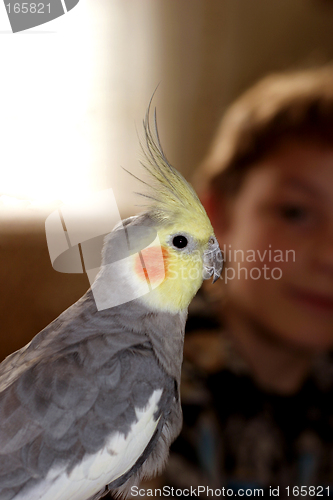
(258, 375)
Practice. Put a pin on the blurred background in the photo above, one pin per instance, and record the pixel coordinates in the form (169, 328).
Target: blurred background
(73, 94)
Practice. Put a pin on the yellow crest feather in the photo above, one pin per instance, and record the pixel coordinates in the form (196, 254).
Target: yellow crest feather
(170, 193)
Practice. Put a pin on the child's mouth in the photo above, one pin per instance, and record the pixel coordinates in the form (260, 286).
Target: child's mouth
(314, 300)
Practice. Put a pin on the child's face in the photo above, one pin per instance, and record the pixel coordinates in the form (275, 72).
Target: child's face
(282, 219)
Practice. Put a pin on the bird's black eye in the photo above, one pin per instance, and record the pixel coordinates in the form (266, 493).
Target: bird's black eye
(180, 241)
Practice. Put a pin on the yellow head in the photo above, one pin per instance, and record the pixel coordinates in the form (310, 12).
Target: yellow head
(189, 248)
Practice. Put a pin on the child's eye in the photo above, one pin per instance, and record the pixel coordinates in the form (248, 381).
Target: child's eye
(295, 213)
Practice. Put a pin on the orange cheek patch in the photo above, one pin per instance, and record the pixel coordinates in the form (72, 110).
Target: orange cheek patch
(150, 265)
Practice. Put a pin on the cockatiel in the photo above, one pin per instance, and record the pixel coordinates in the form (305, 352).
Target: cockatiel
(92, 403)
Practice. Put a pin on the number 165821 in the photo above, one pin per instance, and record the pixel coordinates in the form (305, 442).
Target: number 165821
(29, 8)
(311, 491)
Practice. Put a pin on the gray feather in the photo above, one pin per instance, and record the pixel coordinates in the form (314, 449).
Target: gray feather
(79, 381)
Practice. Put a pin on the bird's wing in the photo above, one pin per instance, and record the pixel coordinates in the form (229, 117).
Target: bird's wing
(69, 425)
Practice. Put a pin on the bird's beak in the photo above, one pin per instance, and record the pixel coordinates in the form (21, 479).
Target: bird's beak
(212, 260)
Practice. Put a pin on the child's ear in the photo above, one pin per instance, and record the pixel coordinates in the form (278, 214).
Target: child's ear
(216, 209)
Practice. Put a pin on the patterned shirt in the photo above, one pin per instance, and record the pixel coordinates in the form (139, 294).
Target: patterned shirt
(237, 435)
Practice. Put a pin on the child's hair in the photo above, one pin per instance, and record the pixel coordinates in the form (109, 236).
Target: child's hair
(297, 104)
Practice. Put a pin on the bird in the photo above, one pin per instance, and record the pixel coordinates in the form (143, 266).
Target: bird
(92, 403)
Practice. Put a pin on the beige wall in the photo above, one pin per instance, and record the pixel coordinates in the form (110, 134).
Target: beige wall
(213, 50)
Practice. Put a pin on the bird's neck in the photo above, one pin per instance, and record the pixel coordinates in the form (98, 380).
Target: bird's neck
(135, 323)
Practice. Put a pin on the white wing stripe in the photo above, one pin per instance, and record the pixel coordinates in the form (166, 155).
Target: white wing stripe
(95, 471)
